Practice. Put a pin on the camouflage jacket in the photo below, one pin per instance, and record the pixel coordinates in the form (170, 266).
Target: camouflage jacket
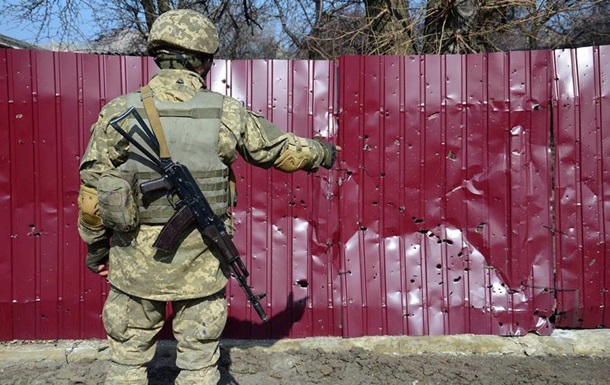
(192, 271)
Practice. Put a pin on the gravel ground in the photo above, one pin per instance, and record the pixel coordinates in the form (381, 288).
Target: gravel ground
(361, 362)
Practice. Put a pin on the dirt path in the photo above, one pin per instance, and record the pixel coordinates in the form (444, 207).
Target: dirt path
(250, 366)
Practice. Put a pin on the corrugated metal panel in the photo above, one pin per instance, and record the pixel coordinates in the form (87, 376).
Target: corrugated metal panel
(49, 100)
(582, 128)
(445, 197)
(286, 223)
(437, 219)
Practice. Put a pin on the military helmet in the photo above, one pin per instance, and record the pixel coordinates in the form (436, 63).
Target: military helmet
(185, 29)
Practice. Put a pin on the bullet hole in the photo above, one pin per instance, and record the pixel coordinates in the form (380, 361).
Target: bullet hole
(439, 266)
(458, 279)
(417, 220)
(303, 283)
(33, 231)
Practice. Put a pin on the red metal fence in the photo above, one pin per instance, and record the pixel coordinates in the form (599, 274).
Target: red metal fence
(469, 197)
(446, 216)
(581, 122)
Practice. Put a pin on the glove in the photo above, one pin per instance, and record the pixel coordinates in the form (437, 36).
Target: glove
(330, 153)
(97, 254)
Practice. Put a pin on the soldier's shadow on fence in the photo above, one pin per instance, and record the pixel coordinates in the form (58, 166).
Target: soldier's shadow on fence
(163, 370)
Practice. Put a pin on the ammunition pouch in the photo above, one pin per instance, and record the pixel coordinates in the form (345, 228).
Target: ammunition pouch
(117, 203)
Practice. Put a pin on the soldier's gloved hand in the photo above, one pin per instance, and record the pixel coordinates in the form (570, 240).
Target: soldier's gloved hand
(330, 153)
(97, 256)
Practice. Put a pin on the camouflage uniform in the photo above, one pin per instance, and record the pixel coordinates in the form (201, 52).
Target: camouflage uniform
(191, 278)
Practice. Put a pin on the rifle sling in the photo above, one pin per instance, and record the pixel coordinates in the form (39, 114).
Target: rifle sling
(155, 121)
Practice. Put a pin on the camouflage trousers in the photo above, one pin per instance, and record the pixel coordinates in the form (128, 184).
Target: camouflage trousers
(132, 324)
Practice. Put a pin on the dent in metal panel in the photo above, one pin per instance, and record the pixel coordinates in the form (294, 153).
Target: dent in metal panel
(450, 234)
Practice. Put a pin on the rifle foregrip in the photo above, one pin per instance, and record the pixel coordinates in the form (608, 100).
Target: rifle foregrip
(225, 247)
(181, 224)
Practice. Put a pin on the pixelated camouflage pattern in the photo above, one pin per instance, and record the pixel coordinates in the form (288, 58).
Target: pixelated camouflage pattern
(132, 324)
(186, 29)
(192, 272)
(117, 204)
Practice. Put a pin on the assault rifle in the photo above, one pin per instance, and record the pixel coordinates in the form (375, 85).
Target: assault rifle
(192, 208)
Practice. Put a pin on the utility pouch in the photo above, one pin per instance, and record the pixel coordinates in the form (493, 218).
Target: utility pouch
(117, 203)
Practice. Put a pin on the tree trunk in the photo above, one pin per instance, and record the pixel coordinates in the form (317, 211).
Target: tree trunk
(390, 25)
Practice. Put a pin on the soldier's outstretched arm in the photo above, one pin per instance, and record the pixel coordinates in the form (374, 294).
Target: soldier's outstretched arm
(263, 144)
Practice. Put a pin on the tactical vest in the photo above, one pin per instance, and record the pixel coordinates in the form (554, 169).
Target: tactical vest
(192, 132)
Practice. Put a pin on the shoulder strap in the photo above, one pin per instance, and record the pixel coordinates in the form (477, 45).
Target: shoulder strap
(155, 121)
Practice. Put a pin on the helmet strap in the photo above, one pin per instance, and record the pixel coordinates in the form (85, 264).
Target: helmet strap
(185, 62)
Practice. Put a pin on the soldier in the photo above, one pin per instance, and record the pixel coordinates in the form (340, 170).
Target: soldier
(205, 131)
